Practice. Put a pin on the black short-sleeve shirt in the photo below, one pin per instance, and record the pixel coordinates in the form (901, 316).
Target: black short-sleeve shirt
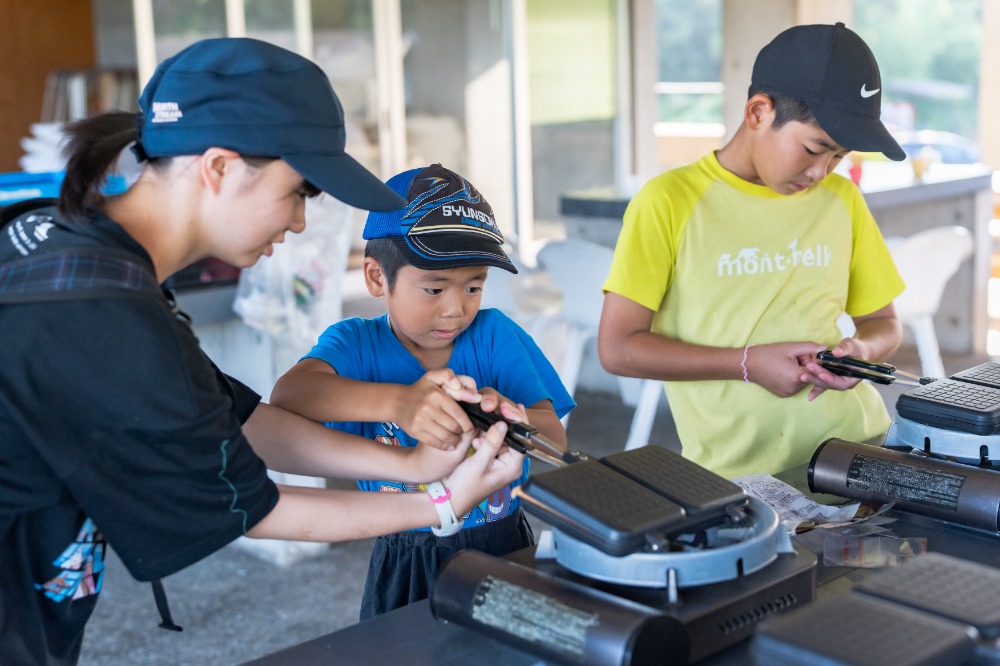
(113, 423)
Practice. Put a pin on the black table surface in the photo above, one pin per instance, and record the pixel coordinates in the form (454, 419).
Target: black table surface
(412, 636)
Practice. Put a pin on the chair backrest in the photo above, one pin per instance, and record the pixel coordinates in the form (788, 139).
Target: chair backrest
(926, 261)
(498, 292)
(523, 297)
(578, 268)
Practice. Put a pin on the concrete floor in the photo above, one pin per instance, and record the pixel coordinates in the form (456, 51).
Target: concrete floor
(235, 607)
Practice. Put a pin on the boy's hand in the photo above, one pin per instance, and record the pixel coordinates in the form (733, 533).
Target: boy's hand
(493, 466)
(429, 412)
(777, 367)
(821, 378)
(492, 400)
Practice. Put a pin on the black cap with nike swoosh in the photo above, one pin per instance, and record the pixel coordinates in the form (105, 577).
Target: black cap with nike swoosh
(832, 70)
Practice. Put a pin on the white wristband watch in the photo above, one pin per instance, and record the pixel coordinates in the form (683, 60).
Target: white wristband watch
(441, 497)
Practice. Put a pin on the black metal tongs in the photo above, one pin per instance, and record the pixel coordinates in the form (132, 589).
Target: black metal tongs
(524, 438)
(880, 373)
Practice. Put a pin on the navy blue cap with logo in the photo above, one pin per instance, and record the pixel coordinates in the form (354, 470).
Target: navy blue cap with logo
(259, 100)
(446, 222)
(832, 70)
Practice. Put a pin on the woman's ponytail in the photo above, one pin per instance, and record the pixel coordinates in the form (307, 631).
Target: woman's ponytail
(92, 147)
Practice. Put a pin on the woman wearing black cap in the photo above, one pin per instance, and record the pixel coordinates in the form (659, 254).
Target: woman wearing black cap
(114, 426)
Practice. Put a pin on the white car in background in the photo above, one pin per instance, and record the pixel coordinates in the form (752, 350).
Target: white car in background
(952, 148)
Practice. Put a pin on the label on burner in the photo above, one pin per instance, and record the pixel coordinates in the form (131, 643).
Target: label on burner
(888, 478)
(532, 616)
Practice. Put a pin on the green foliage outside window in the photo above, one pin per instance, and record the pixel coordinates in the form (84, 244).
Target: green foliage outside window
(690, 50)
(928, 53)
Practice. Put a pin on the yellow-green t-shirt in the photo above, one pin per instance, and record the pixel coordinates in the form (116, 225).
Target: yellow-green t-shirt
(726, 263)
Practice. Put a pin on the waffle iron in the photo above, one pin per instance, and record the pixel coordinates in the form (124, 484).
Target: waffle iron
(671, 563)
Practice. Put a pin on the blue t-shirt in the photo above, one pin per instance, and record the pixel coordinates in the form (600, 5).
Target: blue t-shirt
(494, 351)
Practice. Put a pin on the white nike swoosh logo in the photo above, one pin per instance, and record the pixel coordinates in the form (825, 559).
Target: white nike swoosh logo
(868, 93)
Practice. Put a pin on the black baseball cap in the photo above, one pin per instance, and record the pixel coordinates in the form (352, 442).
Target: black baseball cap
(446, 222)
(832, 70)
(257, 99)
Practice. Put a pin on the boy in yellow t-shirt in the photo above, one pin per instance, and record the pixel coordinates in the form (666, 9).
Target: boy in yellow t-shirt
(730, 273)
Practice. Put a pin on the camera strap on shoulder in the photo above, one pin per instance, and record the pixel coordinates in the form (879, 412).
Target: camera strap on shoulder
(79, 273)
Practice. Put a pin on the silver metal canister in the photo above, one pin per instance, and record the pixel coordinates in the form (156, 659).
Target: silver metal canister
(921, 484)
(552, 617)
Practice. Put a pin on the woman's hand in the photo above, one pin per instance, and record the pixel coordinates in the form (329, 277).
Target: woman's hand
(427, 463)
(493, 466)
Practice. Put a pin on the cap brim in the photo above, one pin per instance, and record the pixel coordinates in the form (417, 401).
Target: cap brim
(856, 132)
(491, 257)
(343, 177)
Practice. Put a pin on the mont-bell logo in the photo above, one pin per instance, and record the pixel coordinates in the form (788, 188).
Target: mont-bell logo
(166, 112)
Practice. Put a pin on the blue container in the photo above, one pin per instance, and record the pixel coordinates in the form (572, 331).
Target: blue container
(19, 186)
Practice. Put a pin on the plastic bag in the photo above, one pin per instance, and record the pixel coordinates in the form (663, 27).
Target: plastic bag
(294, 294)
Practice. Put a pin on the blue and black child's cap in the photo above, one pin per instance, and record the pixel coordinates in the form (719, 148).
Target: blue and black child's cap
(446, 222)
(259, 100)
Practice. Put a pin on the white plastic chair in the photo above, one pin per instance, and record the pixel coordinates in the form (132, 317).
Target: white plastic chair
(529, 297)
(578, 268)
(927, 260)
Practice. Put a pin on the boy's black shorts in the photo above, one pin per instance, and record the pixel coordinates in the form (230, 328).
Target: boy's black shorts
(403, 566)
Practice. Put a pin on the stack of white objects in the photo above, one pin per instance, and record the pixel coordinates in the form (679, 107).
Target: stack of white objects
(43, 149)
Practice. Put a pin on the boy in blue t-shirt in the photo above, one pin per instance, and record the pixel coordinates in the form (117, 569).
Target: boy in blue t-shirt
(396, 378)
